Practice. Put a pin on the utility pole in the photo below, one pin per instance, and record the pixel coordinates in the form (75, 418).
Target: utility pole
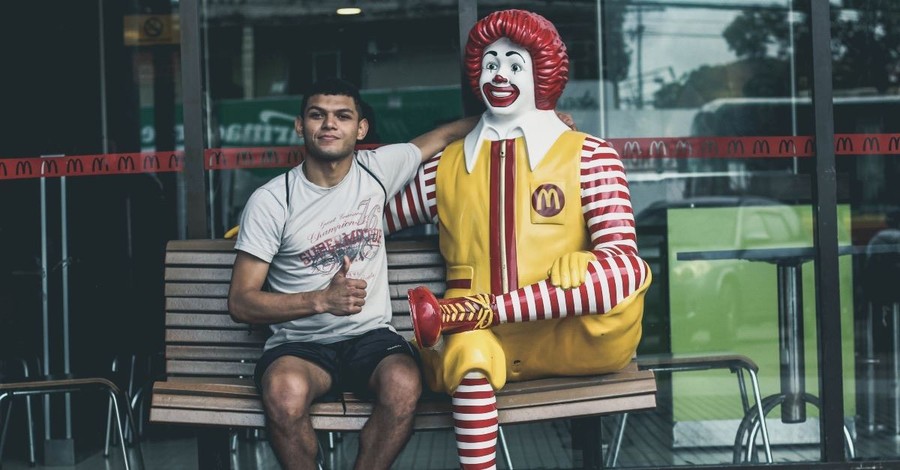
(639, 34)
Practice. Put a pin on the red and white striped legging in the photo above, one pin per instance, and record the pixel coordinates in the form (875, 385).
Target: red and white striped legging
(475, 422)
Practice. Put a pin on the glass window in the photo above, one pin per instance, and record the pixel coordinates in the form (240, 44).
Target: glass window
(709, 105)
(261, 58)
(866, 80)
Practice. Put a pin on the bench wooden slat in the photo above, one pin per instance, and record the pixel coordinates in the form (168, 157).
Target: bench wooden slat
(194, 380)
(201, 258)
(577, 409)
(198, 402)
(635, 386)
(403, 259)
(196, 304)
(221, 274)
(174, 335)
(427, 245)
(560, 383)
(203, 320)
(244, 389)
(160, 414)
(423, 274)
(196, 289)
(200, 245)
(232, 353)
(212, 368)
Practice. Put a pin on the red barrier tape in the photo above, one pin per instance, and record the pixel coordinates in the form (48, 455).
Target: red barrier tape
(85, 165)
(753, 147)
(281, 157)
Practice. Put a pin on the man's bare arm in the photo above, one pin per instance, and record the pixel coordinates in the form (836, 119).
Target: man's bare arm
(248, 303)
(432, 142)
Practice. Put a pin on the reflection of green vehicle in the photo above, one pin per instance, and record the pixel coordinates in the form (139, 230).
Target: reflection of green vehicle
(755, 223)
(744, 222)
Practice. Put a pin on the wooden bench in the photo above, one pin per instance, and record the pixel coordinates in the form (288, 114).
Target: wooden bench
(210, 359)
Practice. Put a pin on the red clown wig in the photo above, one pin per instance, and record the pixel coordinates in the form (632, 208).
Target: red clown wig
(534, 33)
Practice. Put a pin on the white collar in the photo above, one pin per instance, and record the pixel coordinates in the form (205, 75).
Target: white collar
(540, 128)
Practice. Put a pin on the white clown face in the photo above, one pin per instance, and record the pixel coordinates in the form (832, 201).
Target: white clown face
(507, 79)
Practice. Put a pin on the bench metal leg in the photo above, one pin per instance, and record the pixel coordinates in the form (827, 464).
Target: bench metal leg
(213, 451)
(612, 459)
(137, 404)
(118, 408)
(504, 448)
(586, 436)
(5, 425)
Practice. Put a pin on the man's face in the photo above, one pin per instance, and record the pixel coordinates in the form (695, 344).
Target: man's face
(507, 78)
(330, 126)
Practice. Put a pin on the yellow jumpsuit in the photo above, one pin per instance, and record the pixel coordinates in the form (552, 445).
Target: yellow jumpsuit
(542, 228)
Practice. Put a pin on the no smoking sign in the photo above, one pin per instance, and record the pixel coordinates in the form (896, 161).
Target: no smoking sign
(147, 30)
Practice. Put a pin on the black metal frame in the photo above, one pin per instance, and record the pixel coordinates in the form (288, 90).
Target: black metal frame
(824, 200)
(192, 98)
(828, 295)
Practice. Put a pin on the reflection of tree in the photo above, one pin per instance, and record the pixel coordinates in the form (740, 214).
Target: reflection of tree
(747, 77)
(617, 56)
(865, 51)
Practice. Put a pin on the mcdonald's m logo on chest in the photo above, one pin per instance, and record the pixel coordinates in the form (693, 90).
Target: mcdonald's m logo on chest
(548, 200)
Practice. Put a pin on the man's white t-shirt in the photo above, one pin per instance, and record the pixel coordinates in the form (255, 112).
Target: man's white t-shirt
(305, 241)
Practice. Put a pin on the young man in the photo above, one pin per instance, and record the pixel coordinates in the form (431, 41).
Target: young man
(536, 226)
(314, 238)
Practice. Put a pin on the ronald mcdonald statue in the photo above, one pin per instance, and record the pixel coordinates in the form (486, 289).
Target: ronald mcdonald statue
(536, 226)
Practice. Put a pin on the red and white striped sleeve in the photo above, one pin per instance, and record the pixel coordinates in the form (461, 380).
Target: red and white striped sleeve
(416, 204)
(606, 200)
(608, 215)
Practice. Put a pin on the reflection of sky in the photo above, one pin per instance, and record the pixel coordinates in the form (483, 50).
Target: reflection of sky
(676, 40)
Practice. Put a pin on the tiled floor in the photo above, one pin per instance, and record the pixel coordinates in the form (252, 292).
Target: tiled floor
(532, 446)
(545, 445)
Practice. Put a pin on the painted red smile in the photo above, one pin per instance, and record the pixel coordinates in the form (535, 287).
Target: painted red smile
(500, 96)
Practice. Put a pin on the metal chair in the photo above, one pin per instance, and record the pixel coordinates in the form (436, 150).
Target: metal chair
(134, 373)
(52, 385)
(25, 370)
(737, 364)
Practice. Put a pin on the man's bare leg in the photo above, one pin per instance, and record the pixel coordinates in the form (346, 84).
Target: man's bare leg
(397, 385)
(290, 385)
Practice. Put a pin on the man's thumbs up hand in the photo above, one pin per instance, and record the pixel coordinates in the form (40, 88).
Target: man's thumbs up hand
(345, 296)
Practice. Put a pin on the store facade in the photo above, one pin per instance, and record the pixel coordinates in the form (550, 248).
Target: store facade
(760, 139)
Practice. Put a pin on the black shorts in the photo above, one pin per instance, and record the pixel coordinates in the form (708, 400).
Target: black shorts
(350, 362)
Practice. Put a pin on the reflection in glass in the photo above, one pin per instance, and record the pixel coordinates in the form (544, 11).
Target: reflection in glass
(866, 80)
(261, 56)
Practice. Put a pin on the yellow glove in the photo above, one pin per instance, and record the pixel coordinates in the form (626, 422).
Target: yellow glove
(232, 232)
(568, 270)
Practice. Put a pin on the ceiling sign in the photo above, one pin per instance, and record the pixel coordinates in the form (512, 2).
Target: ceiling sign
(149, 30)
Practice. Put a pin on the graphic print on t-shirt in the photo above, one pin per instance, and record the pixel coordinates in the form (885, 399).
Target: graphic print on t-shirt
(356, 234)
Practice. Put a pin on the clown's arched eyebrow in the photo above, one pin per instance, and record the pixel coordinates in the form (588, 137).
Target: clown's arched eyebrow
(493, 53)
(509, 53)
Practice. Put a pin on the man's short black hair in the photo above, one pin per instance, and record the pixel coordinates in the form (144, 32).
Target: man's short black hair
(333, 86)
